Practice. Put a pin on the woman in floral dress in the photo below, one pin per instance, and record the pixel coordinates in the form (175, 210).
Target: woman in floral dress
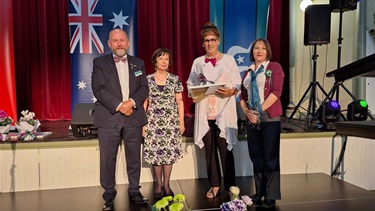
(165, 113)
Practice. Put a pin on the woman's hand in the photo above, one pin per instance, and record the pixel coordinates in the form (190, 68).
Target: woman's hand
(252, 115)
(226, 92)
(182, 129)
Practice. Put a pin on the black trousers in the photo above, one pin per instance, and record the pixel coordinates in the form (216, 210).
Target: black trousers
(109, 142)
(264, 151)
(212, 144)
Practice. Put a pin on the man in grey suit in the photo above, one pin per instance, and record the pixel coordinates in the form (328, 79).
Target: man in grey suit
(120, 86)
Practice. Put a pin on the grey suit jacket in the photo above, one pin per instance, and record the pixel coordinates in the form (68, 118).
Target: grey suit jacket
(107, 90)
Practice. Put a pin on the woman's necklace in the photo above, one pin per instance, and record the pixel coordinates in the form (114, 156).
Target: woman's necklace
(162, 80)
(218, 54)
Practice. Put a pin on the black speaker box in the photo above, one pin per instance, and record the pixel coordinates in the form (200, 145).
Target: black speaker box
(344, 5)
(82, 121)
(317, 25)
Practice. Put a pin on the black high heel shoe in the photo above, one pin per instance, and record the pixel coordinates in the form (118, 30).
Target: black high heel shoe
(159, 195)
(168, 193)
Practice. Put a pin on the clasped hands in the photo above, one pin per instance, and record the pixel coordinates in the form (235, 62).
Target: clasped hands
(126, 107)
(252, 115)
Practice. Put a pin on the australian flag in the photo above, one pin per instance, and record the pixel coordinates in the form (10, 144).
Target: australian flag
(240, 28)
(90, 22)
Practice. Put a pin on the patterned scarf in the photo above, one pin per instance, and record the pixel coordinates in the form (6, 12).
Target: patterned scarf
(254, 102)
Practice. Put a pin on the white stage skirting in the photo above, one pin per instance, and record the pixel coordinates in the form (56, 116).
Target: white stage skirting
(68, 164)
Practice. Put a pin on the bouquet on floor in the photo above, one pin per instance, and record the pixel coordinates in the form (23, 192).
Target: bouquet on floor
(170, 203)
(27, 126)
(236, 203)
(5, 124)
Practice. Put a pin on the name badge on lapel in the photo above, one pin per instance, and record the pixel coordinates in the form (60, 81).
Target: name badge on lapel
(138, 73)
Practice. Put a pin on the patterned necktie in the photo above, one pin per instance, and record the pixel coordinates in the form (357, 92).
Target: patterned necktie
(117, 59)
(213, 61)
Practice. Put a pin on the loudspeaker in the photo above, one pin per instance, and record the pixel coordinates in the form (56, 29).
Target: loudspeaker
(82, 121)
(345, 5)
(317, 25)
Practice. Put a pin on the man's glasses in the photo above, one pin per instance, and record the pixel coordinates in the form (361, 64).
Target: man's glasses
(213, 40)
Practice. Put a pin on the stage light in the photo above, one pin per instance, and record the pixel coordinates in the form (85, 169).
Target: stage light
(304, 4)
(357, 110)
(329, 112)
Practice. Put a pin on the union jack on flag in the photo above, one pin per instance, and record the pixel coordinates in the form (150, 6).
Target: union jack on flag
(85, 20)
(90, 22)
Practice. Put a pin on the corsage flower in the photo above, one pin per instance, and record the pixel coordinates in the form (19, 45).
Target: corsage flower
(268, 74)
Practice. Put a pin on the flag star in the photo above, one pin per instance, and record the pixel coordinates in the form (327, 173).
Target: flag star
(94, 99)
(240, 59)
(119, 20)
(81, 85)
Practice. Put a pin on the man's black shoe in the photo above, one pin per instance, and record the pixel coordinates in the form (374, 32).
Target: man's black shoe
(108, 205)
(138, 198)
(257, 200)
(268, 203)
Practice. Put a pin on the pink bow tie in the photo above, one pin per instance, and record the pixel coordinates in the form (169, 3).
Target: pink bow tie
(213, 61)
(117, 59)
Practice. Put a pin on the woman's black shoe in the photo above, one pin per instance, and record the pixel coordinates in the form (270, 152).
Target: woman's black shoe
(268, 203)
(169, 193)
(158, 195)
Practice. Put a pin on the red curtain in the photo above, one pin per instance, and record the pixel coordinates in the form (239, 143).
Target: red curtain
(8, 82)
(174, 25)
(42, 58)
(278, 36)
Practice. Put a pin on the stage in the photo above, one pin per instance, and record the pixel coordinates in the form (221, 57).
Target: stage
(61, 131)
(61, 172)
(308, 192)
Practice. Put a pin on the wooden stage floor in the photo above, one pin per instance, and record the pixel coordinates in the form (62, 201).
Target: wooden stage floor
(315, 192)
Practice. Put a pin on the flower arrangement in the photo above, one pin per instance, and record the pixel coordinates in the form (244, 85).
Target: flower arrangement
(170, 203)
(5, 124)
(27, 125)
(236, 204)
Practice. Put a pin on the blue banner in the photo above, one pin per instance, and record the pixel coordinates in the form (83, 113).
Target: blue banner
(217, 17)
(90, 22)
(240, 30)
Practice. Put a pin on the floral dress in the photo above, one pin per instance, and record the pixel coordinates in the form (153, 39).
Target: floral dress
(162, 144)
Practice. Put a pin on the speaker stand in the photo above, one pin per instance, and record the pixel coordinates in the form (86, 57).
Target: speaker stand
(312, 89)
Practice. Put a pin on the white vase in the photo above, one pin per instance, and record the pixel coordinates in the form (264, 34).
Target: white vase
(24, 126)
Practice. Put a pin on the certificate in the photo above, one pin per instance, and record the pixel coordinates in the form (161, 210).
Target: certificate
(198, 93)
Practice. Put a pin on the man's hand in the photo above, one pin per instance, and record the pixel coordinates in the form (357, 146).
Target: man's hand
(126, 107)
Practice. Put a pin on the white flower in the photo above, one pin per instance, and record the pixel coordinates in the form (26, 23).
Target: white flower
(247, 200)
(27, 116)
(234, 190)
